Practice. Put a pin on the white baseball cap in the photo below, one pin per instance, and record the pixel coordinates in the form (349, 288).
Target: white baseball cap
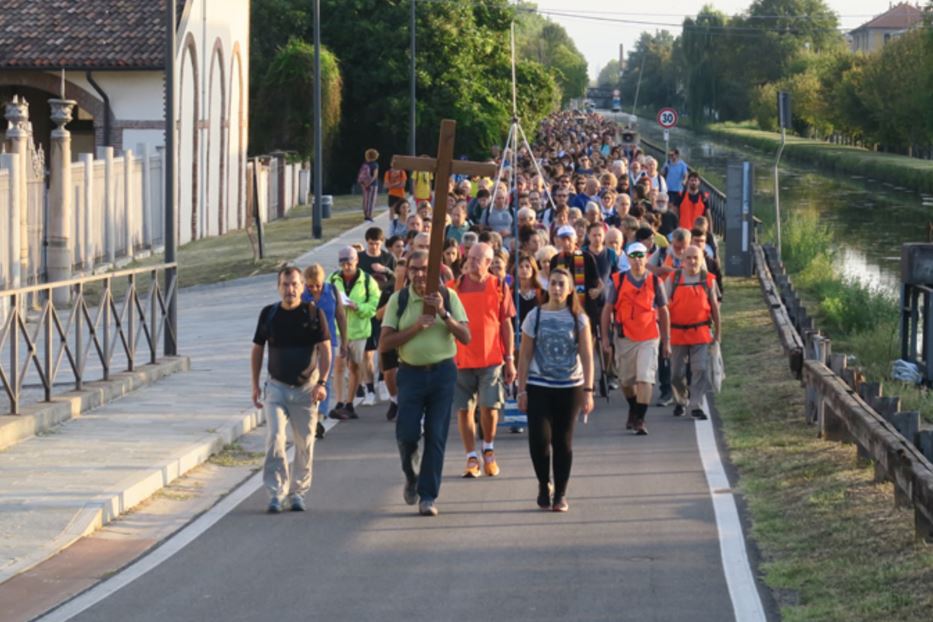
(566, 231)
(637, 247)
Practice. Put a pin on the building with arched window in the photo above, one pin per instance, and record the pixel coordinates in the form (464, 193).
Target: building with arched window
(112, 53)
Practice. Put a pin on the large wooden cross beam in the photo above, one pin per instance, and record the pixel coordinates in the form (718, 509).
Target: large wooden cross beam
(443, 167)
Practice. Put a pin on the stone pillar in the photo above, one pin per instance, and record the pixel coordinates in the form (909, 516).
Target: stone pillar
(159, 206)
(108, 226)
(146, 207)
(129, 202)
(90, 250)
(14, 167)
(17, 134)
(59, 251)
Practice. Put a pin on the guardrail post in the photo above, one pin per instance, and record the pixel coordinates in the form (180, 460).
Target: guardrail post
(871, 393)
(105, 301)
(14, 353)
(47, 318)
(153, 306)
(79, 336)
(131, 323)
(923, 526)
(925, 443)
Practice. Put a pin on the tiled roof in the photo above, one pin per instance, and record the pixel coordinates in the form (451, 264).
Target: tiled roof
(83, 34)
(898, 17)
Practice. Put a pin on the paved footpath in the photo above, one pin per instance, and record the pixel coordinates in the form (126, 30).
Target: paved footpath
(60, 486)
(640, 542)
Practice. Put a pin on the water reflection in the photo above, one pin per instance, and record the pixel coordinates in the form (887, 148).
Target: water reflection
(870, 219)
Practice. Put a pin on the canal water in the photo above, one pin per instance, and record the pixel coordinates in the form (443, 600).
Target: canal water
(869, 219)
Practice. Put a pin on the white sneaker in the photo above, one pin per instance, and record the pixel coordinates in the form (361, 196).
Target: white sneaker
(370, 399)
(382, 391)
(357, 401)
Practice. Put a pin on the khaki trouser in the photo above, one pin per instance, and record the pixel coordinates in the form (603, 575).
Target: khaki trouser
(283, 403)
(694, 396)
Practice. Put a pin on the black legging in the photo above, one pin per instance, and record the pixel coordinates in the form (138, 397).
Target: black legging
(551, 417)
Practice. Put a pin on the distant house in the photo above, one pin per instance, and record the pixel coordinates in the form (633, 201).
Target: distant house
(113, 54)
(873, 35)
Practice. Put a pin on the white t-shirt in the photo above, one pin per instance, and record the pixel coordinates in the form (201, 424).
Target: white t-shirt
(556, 362)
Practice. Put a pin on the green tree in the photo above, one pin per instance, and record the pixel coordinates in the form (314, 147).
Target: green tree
(651, 63)
(899, 111)
(609, 75)
(702, 64)
(284, 107)
(463, 72)
(541, 40)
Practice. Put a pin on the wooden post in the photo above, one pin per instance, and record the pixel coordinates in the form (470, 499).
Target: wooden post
(443, 167)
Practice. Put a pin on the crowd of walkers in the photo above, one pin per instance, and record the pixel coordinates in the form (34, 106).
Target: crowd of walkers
(588, 267)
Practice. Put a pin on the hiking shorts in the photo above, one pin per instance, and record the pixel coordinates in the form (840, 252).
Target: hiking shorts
(356, 351)
(637, 361)
(483, 385)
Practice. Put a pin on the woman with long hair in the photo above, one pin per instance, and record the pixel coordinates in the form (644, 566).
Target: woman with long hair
(555, 382)
(451, 256)
(530, 292)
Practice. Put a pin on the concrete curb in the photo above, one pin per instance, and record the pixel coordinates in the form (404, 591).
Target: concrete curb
(135, 489)
(38, 418)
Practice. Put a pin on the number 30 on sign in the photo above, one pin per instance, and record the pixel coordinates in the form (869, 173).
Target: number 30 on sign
(667, 118)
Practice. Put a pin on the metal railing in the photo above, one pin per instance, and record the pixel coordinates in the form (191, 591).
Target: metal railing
(100, 318)
(717, 198)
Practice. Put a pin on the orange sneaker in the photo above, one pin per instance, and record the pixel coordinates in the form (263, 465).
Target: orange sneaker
(489, 463)
(472, 468)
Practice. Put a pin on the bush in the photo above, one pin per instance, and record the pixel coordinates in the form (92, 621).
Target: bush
(804, 239)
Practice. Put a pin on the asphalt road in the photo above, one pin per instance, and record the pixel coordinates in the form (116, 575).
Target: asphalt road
(639, 542)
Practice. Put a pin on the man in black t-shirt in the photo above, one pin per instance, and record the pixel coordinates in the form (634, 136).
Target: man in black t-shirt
(297, 334)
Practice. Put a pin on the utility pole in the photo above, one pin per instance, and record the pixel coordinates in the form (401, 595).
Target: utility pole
(171, 343)
(412, 113)
(784, 120)
(318, 128)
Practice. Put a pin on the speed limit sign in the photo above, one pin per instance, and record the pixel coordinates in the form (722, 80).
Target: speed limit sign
(667, 118)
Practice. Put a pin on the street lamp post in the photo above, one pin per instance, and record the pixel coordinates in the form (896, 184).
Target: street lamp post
(171, 343)
(411, 112)
(318, 128)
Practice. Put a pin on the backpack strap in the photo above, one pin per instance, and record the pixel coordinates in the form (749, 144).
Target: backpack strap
(675, 282)
(537, 321)
(403, 295)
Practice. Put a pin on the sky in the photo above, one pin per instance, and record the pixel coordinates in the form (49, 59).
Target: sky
(598, 39)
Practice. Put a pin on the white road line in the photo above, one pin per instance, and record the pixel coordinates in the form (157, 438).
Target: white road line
(177, 542)
(746, 602)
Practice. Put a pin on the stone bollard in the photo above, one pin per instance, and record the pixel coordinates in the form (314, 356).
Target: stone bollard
(59, 251)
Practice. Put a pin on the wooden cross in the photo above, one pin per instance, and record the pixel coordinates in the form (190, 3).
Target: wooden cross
(443, 167)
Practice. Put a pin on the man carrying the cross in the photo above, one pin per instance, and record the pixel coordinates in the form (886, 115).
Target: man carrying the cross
(425, 325)
(426, 341)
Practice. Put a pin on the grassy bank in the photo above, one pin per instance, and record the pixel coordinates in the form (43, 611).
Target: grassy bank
(895, 169)
(861, 321)
(230, 256)
(833, 545)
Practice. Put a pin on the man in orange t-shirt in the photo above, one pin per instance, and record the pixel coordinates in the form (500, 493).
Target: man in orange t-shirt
(485, 365)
